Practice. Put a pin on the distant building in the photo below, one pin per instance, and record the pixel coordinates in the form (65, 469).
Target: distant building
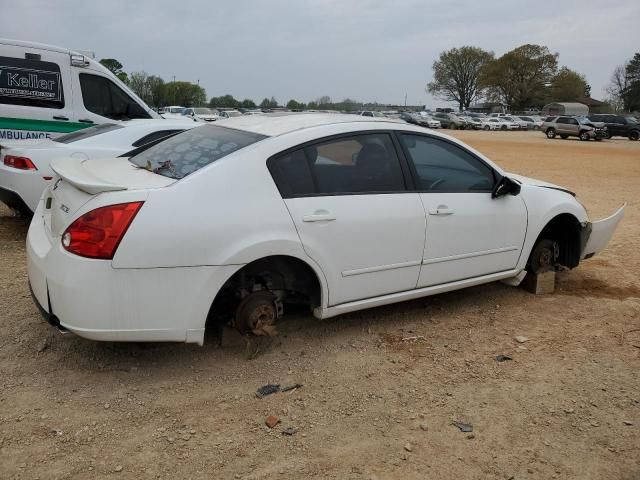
(565, 108)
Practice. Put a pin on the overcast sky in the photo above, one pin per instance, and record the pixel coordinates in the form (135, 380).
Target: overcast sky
(362, 49)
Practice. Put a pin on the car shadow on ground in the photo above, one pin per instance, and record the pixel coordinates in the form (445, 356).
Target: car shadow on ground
(296, 331)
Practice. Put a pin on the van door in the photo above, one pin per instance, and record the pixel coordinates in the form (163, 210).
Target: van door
(36, 98)
(99, 99)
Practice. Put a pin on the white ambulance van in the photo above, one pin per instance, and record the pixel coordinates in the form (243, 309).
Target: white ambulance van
(46, 91)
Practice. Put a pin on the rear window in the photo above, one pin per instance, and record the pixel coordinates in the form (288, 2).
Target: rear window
(189, 151)
(87, 133)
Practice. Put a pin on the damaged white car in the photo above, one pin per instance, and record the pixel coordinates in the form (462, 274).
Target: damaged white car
(237, 221)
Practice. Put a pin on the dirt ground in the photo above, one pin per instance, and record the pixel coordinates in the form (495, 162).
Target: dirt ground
(375, 403)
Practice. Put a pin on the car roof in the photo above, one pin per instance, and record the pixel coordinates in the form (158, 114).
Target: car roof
(274, 124)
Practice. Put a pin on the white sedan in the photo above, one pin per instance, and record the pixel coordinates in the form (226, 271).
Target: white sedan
(235, 221)
(25, 167)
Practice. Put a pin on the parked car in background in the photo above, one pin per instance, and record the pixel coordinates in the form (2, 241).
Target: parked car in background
(46, 91)
(522, 125)
(200, 114)
(25, 168)
(418, 119)
(503, 124)
(449, 120)
(533, 123)
(223, 114)
(566, 126)
(487, 124)
(371, 113)
(174, 111)
(619, 125)
(236, 221)
(472, 123)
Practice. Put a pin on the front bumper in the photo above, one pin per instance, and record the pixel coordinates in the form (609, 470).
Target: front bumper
(599, 233)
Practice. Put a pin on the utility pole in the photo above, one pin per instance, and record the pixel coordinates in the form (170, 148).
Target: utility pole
(405, 99)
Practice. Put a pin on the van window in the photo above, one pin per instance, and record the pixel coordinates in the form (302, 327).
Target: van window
(103, 97)
(31, 83)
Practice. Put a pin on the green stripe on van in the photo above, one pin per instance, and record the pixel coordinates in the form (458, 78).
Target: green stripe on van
(41, 125)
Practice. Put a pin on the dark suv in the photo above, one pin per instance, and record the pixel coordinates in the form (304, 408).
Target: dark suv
(618, 125)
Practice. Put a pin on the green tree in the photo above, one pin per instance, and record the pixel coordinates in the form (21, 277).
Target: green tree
(248, 103)
(519, 78)
(138, 82)
(115, 67)
(295, 105)
(225, 101)
(631, 94)
(268, 103)
(568, 86)
(184, 93)
(155, 84)
(456, 75)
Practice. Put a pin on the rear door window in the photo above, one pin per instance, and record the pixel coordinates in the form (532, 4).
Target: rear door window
(103, 97)
(365, 163)
(31, 83)
(189, 151)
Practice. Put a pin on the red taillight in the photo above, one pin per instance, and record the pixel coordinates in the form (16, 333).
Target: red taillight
(21, 163)
(97, 233)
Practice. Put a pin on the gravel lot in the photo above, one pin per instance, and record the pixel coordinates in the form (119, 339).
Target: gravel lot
(375, 404)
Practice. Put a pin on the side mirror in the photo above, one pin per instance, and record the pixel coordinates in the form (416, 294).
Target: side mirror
(505, 186)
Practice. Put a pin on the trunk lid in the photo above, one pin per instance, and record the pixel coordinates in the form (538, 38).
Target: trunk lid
(77, 181)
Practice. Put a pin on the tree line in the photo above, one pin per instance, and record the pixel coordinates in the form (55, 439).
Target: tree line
(528, 76)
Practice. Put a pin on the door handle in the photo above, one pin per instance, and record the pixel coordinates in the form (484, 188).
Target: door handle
(319, 216)
(60, 117)
(441, 210)
(85, 120)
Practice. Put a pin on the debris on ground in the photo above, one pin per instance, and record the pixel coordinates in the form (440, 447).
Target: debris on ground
(43, 345)
(267, 389)
(270, 388)
(520, 339)
(464, 427)
(271, 421)
(627, 422)
(413, 338)
(502, 358)
(291, 387)
(289, 431)
(408, 447)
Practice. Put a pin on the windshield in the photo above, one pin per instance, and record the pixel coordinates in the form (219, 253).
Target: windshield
(87, 133)
(631, 119)
(203, 111)
(173, 109)
(189, 151)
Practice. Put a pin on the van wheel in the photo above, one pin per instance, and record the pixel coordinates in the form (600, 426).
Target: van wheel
(584, 136)
(551, 133)
(257, 314)
(634, 135)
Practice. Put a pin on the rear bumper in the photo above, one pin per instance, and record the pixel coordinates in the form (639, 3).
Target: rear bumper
(12, 200)
(96, 301)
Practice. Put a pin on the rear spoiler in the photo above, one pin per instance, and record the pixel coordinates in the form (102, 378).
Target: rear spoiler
(72, 171)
